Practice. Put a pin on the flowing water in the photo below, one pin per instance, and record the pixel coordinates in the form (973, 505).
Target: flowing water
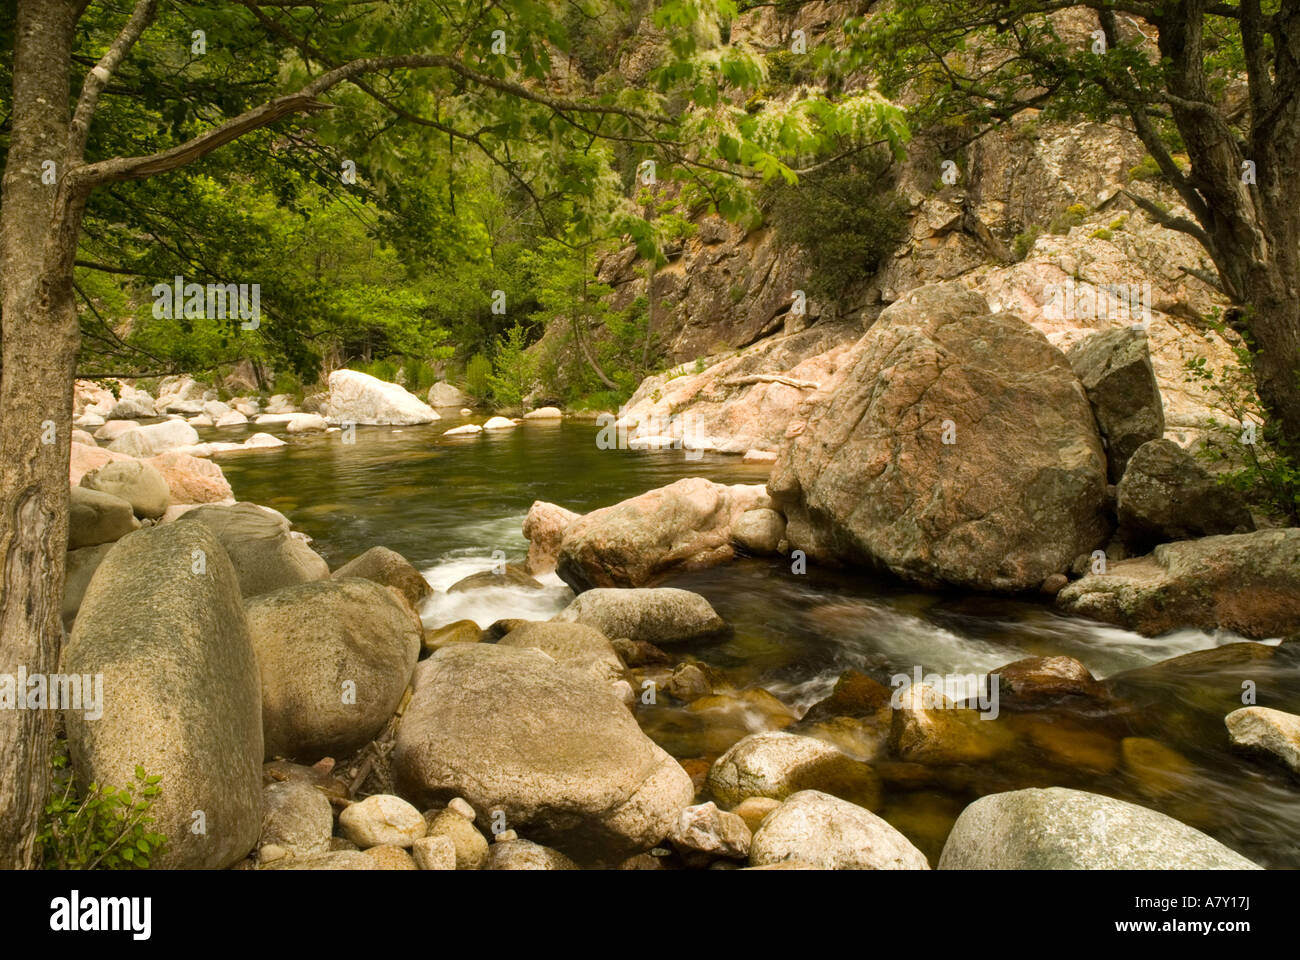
(454, 505)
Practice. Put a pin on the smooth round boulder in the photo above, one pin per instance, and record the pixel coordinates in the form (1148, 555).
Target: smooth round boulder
(574, 646)
(296, 817)
(759, 531)
(382, 820)
(95, 517)
(134, 481)
(335, 658)
(191, 479)
(526, 855)
(265, 554)
(156, 438)
(825, 832)
(776, 765)
(389, 568)
(657, 615)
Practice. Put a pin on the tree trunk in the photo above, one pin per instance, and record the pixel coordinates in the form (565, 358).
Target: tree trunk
(40, 336)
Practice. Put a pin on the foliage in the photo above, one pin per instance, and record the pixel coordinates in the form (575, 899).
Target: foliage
(512, 369)
(101, 827)
(478, 374)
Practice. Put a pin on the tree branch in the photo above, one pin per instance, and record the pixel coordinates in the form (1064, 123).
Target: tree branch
(101, 73)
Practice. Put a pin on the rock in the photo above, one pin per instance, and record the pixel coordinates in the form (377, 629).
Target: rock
(1115, 369)
(360, 398)
(95, 517)
(684, 526)
(81, 566)
(382, 819)
(657, 615)
(706, 829)
(112, 429)
(340, 860)
(855, 695)
(828, 833)
(759, 532)
(776, 765)
(526, 855)
(754, 810)
(296, 817)
(1267, 731)
(216, 409)
(390, 568)
(84, 459)
(81, 436)
(1015, 497)
(443, 394)
(544, 413)
(283, 402)
(638, 653)
(511, 575)
(88, 420)
(462, 430)
(231, 418)
(459, 631)
(1158, 772)
(434, 853)
(388, 857)
(689, 681)
(1061, 829)
(133, 405)
(191, 479)
(134, 481)
(560, 756)
(335, 658)
(266, 556)
(470, 847)
(180, 692)
(1166, 495)
(319, 776)
(1248, 583)
(460, 806)
(498, 423)
(305, 423)
(544, 529)
(759, 456)
(1037, 681)
(262, 440)
(574, 646)
(156, 438)
(928, 728)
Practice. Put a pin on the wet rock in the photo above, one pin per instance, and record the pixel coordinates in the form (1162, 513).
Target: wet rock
(1166, 495)
(559, 755)
(855, 695)
(688, 682)
(828, 833)
(357, 397)
(266, 555)
(1037, 681)
(297, 818)
(1249, 583)
(639, 653)
(1264, 730)
(686, 525)
(526, 855)
(704, 829)
(1115, 369)
(498, 423)
(382, 819)
(180, 694)
(335, 658)
(1017, 494)
(544, 529)
(1157, 770)
(134, 481)
(776, 765)
(544, 413)
(95, 517)
(658, 615)
(511, 575)
(460, 631)
(1061, 829)
(390, 568)
(928, 728)
(759, 532)
(499, 628)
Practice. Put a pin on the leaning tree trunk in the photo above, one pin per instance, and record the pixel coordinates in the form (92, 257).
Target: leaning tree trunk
(39, 337)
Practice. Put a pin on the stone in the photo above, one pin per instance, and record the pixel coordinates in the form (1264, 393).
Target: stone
(470, 846)
(266, 555)
(544, 528)
(297, 818)
(656, 615)
(776, 765)
(95, 517)
(180, 692)
(443, 394)
(1037, 681)
(499, 423)
(1061, 829)
(110, 430)
(1248, 583)
(335, 658)
(465, 429)
(511, 575)
(305, 423)
(759, 456)
(338, 860)
(1013, 496)
(460, 806)
(389, 568)
(357, 397)
(231, 418)
(574, 646)
(518, 854)
(133, 405)
(754, 810)
(80, 568)
(759, 532)
(134, 481)
(928, 728)
(83, 459)
(705, 829)
(1115, 369)
(1263, 730)
(382, 819)
(828, 833)
(544, 413)
(389, 857)
(562, 757)
(460, 631)
(1166, 495)
(191, 479)
(156, 438)
(434, 853)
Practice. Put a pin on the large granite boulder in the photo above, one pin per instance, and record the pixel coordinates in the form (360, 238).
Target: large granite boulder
(444, 394)
(181, 696)
(544, 528)
(134, 481)
(95, 517)
(827, 833)
(658, 615)
(360, 398)
(1115, 369)
(1166, 495)
(156, 438)
(558, 754)
(389, 568)
(192, 479)
(960, 450)
(265, 553)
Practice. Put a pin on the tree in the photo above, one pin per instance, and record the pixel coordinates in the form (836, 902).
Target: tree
(1170, 70)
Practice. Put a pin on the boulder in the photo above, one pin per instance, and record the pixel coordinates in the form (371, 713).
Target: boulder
(265, 554)
(335, 657)
(526, 855)
(511, 731)
(112, 429)
(776, 765)
(83, 459)
(434, 853)
(928, 728)
(1166, 495)
(656, 615)
(180, 697)
(960, 449)
(284, 403)
(133, 405)
(511, 575)
(684, 526)
(1115, 369)
(1039, 681)
(80, 567)
(544, 530)
(231, 418)
(574, 646)
(544, 413)
(95, 517)
(382, 820)
(443, 394)
(1061, 829)
(1264, 730)
(360, 398)
(216, 409)
(191, 479)
(499, 423)
(759, 532)
(463, 430)
(470, 846)
(305, 423)
(704, 829)
(1248, 583)
(155, 438)
(390, 568)
(459, 631)
(296, 817)
(827, 833)
(134, 481)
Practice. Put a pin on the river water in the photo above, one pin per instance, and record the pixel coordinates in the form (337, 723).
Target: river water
(450, 504)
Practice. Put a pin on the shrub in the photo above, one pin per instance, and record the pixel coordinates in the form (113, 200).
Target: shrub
(477, 374)
(1024, 242)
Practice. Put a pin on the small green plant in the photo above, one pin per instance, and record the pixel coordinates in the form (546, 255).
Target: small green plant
(477, 374)
(1102, 234)
(106, 828)
(513, 369)
(1024, 242)
(1146, 169)
(1070, 217)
